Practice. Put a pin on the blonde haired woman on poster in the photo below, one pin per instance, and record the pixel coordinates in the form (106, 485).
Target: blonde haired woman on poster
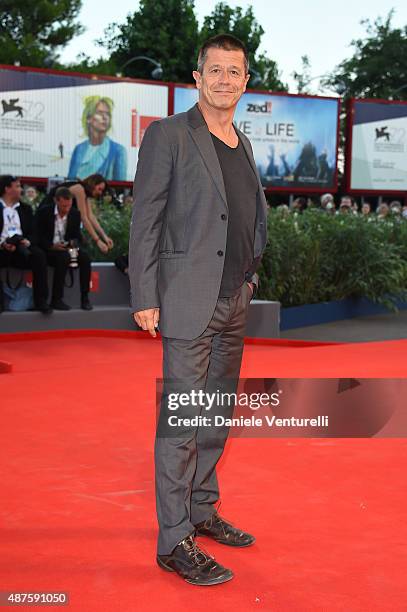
(98, 154)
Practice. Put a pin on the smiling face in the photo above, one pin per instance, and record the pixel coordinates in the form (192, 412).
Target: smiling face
(223, 79)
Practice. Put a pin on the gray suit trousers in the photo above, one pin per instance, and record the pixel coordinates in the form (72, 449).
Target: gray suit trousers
(185, 465)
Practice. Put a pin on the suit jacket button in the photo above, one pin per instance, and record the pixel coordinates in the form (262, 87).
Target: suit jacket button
(220, 253)
(223, 217)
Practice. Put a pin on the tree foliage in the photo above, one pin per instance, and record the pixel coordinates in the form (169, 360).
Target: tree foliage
(243, 25)
(32, 33)
(378, 66)
(226, 20)
(304, 78)
(168, 32)
(165, 31)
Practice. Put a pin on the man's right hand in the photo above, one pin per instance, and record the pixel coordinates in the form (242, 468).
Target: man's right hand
(8, 247)
(148, 319)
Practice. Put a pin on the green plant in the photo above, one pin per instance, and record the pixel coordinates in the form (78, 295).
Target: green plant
(315, 257)
(310, 258)
(116, 224)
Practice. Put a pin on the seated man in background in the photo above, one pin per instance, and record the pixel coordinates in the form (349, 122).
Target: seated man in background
(16, 231)
(58, 228)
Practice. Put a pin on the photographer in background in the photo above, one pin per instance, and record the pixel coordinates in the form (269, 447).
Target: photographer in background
(328, 203)
(91, 187)
(59, 235)
(16, 232)
(83, 192)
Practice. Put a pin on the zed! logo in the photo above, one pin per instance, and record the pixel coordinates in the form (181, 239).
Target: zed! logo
(259, 108)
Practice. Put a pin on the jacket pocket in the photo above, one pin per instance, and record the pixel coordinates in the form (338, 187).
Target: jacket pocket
(171, 254)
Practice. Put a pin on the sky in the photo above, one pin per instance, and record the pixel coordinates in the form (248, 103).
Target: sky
(321, 29)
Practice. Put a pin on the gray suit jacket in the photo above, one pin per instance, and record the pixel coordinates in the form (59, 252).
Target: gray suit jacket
(179, 225)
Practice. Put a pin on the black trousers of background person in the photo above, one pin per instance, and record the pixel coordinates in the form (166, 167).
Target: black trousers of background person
(36, 262)
(59, 260)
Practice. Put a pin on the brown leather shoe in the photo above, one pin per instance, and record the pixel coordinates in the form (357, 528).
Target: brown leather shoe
(221, 531)
(194, 565)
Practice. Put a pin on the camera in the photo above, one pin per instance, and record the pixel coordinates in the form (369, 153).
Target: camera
(73, 254)
(20, 248)
(73, 251)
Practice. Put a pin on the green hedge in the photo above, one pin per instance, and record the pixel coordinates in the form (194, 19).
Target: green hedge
(116, 224)
(316, 257)
(313, 257)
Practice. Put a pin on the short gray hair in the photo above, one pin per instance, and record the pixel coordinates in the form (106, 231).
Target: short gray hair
(222, 41)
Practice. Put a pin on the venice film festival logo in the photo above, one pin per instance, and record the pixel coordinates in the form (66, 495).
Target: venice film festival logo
(12, 107)
(389, 138)
(22, 114)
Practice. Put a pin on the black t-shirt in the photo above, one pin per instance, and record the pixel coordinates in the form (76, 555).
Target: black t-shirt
(241, 191)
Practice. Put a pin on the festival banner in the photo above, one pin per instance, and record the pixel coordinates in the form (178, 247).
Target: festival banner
(75, 131)
(294, 138)
(378, 146)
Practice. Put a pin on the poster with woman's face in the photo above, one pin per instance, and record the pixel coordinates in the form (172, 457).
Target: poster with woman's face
(75, 131)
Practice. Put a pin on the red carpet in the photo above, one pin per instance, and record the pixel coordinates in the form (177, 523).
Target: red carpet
(78, 515)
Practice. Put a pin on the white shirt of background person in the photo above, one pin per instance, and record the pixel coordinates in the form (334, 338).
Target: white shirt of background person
(11, 221)
(60, 227)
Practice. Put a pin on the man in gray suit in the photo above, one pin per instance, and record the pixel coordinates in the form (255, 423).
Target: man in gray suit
(197, 235)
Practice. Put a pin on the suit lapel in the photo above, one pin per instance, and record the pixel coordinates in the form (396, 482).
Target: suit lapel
(263, 201)
(22, 213)
(203, 140)
(249, 154)
(51, 224)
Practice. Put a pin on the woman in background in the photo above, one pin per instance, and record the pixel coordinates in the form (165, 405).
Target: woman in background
(91, 187)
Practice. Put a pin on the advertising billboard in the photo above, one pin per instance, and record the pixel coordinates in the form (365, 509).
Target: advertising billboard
(77, 130)
(377, 146)
(294, 138)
